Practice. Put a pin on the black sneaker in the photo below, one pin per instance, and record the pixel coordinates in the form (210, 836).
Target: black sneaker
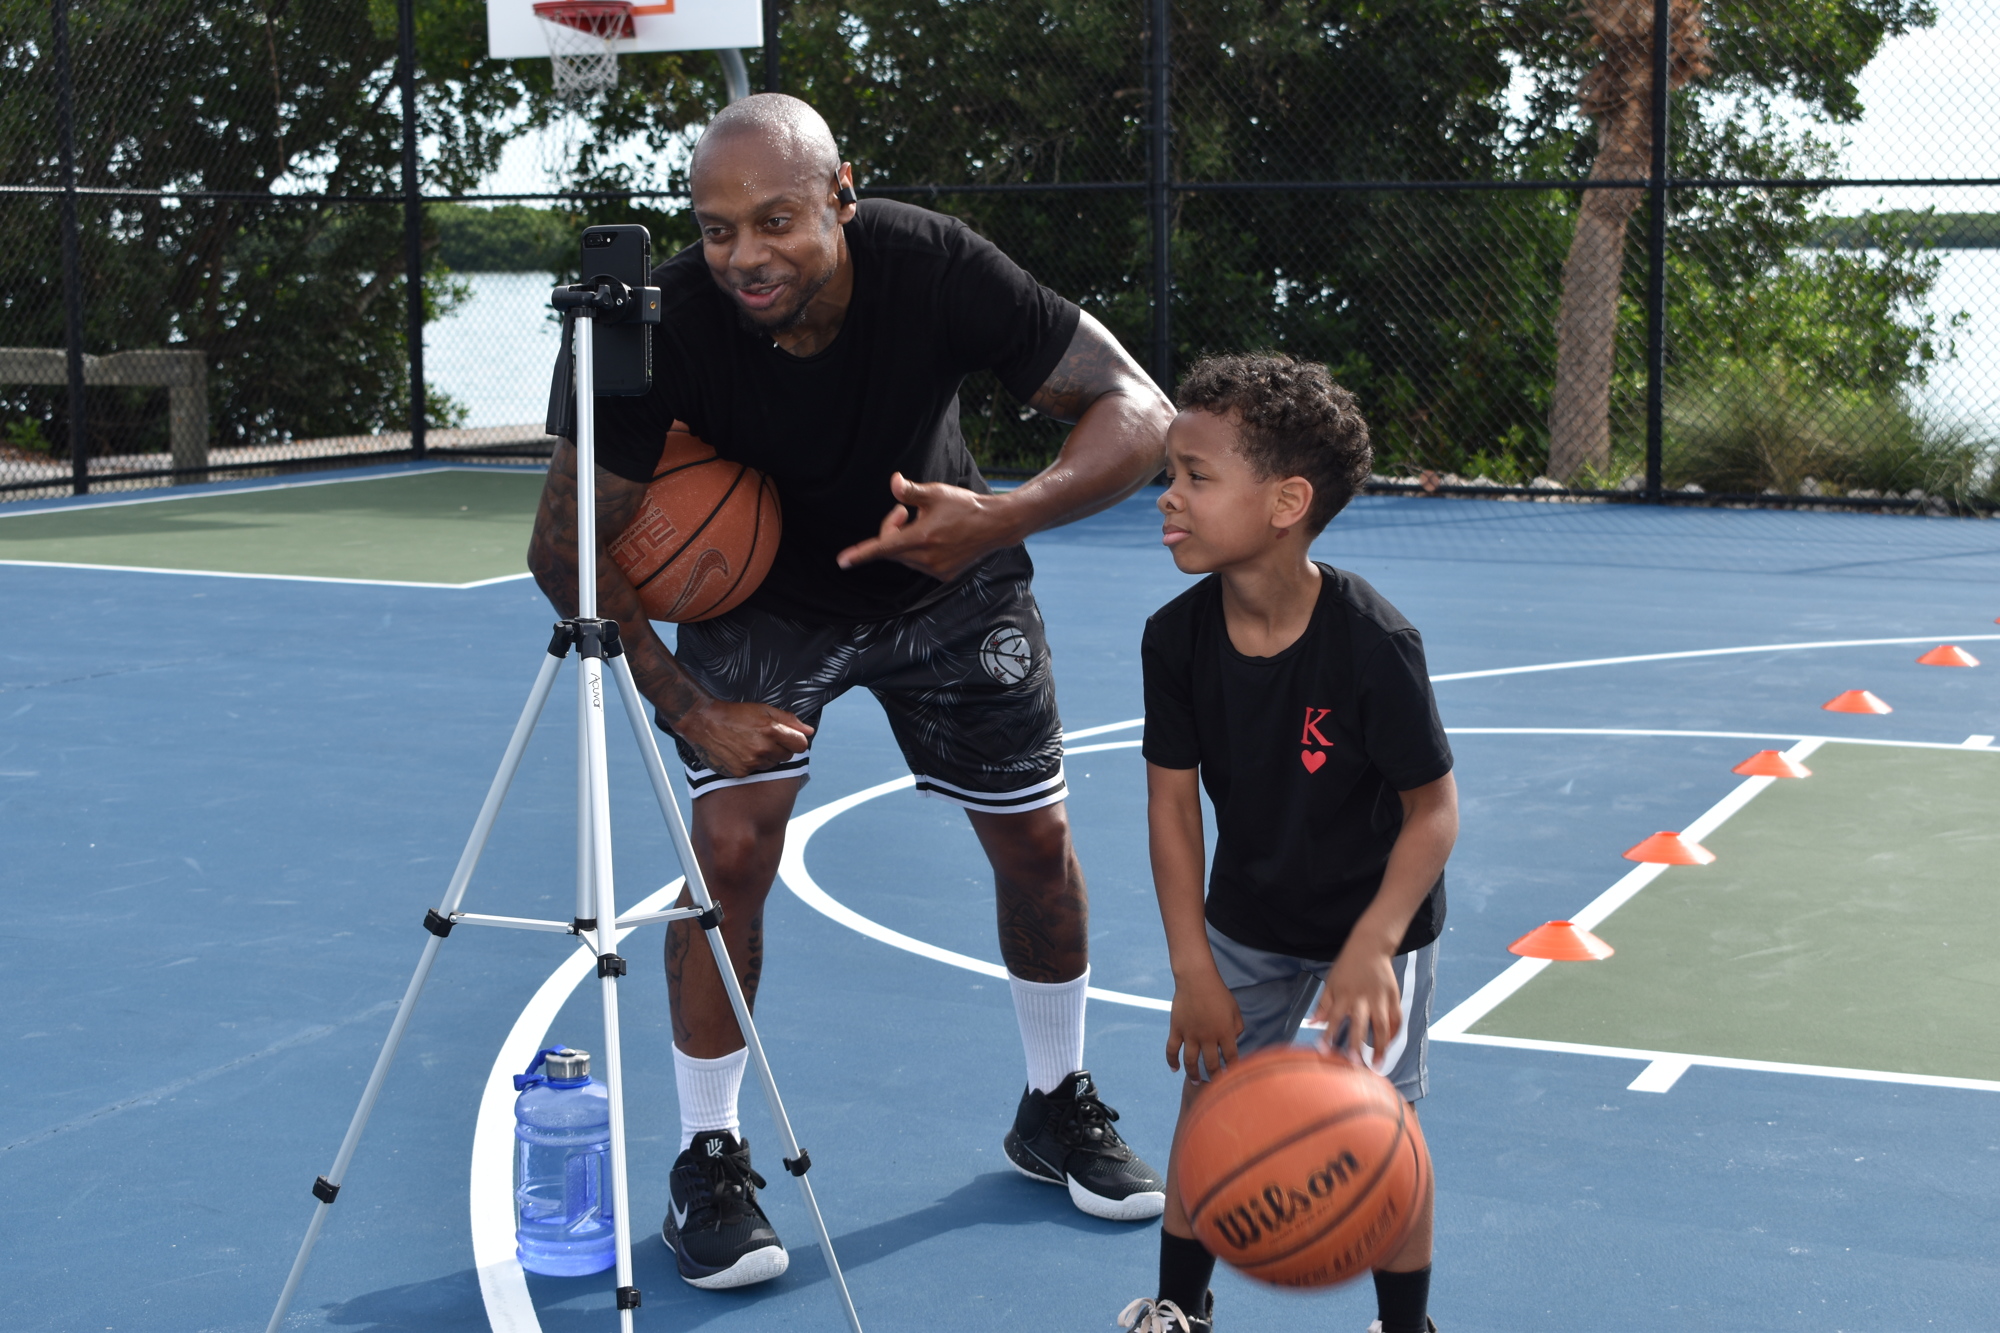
(1151, 1315)
(720, 1237)
(1376, 1327)
(1065, 1138)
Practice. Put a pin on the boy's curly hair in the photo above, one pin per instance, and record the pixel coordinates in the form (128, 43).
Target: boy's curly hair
(1294, 421)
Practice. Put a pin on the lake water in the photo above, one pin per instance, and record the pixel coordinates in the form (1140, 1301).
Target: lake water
(494, 353)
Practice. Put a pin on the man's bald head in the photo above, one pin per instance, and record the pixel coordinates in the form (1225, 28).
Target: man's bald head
(767, 129)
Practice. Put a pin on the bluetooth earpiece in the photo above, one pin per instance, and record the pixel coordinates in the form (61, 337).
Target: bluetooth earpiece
(845, 194)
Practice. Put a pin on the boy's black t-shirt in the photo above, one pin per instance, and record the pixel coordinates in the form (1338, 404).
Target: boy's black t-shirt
(933, 301)
(1302, 754)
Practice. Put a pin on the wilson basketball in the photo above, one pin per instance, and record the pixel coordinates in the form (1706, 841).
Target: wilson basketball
(1300, 1168)
(704, 536)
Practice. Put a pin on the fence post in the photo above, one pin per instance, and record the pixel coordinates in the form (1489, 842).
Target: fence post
(1656, 252)
(1158, 202)
(772, 80)
(72, 256)
(413, 217)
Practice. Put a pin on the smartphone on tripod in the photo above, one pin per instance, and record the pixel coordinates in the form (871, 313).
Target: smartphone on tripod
(622, 349)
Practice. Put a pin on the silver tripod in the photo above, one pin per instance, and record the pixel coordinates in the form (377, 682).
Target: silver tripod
(597, 919)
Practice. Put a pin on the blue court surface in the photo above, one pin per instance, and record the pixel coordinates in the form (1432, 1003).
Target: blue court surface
(225, 803)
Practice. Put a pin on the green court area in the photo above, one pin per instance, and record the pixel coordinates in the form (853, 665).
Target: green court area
(1851, 919)
(452, 525)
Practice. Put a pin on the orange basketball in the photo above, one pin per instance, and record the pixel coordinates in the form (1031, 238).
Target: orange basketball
(704, 536)
(1300, 1168)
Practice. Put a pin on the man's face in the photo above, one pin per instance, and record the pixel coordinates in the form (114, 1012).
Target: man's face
(770, 229)
(1217, 512)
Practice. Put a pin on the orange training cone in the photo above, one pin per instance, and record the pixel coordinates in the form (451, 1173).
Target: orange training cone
(1947, 654)
(1563, 941)
(1670, 849)
(1855, 701)
(1772, 764)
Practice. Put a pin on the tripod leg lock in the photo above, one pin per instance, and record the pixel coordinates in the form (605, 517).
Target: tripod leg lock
(799, 1165)
(628, 1298)
(582, 925)
(437, 925)
(562, 639)
(710, 919)
(325, 1190)
(610, 965)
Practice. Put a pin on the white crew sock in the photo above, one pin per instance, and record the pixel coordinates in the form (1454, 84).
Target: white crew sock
(1051, 1017)
(708, 1091)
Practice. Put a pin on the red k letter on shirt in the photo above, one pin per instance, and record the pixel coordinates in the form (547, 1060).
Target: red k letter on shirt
(1311, 736)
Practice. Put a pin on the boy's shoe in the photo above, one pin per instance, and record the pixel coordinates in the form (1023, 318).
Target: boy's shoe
(1065, 1138)
(1151, 1315)
(719, 1236)
(1376, 1327)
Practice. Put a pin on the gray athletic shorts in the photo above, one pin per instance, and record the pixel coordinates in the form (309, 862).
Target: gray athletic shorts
(1276, 991)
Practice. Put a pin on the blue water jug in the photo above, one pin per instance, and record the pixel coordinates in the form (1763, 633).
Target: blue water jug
(562, 1167)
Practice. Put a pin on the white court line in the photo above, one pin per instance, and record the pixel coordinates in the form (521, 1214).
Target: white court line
(1664, 1068)
(174, 493)
(792, 870)
(1704, 652)
(282, 578)
(502, 1285)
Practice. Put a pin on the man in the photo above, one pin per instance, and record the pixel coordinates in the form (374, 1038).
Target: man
(823, 342)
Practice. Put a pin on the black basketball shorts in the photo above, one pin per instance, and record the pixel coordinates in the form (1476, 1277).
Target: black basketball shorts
(965, 682)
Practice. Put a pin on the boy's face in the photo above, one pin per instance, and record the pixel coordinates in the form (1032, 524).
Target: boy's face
(1218, 512)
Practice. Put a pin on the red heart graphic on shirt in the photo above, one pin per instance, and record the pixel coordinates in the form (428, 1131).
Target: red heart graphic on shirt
(1312, 759)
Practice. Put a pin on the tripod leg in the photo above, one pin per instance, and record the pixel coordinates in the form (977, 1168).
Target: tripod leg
(610, 967)
(796, 1160)
(327, 1187)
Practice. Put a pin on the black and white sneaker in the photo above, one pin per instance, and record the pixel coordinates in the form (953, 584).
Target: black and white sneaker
(1065, 1138)
(720, 1237)
(1150, 1315)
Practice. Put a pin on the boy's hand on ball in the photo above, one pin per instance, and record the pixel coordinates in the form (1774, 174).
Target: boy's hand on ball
(1361, 990)
(1203, 1027)
(951, 529)
(741, 738)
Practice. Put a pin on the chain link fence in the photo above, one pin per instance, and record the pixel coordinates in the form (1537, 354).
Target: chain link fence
(1781, 286)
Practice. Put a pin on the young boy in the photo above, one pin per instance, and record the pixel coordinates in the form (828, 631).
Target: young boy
(1297, 696)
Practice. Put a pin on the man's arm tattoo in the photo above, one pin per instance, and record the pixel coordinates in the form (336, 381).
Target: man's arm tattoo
(1092, 366)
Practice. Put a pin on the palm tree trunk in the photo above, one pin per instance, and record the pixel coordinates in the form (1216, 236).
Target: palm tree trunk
(1587, 324)
(1618, 93)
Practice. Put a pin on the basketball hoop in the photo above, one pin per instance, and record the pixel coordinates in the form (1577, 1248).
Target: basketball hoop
(583, 38)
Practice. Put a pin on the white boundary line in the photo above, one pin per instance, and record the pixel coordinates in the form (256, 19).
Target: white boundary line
(246, 490)
(281, 578)
(178, 493)
(1664, 1068)
(792, 870)
(503, 1287)
(1703, 652)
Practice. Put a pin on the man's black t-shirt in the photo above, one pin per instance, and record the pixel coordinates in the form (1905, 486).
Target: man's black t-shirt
(1302, 754)
(933, 301)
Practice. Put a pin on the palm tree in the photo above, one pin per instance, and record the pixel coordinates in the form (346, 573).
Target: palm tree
(1618, 95)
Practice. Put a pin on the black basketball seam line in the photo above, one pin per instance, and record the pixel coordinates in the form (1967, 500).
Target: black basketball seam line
(756, 531)
(1388, 1160)
(682, 467)
(659, 476)
(1282, 1144)
(717, 508)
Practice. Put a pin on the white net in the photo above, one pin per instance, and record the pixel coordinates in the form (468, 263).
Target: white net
(583, 44)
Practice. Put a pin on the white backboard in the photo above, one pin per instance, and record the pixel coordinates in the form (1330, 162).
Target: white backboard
(513, 31)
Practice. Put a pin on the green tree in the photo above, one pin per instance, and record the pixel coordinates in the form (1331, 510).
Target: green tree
(298, 305)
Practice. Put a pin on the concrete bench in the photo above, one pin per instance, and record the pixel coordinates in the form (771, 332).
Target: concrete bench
(183, 374)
